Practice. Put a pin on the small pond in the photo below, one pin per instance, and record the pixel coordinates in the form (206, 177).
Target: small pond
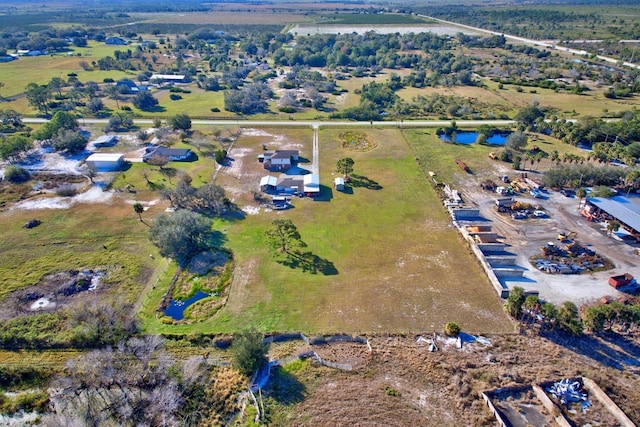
(468, 137)
(177, 307)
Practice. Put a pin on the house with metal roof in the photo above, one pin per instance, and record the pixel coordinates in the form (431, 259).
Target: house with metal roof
(115, 41)
(279, 160)
(105, 141)
(173, 154)
(268, 183)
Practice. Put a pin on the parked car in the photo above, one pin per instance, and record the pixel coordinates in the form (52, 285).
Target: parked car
(567, 192)
(540, 214)
(519, 215)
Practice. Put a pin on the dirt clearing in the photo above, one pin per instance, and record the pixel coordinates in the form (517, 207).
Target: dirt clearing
(405, 384)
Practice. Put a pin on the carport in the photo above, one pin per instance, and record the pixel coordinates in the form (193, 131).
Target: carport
(620, 208)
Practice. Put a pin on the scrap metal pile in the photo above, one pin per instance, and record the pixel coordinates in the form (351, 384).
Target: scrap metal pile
(568, 392)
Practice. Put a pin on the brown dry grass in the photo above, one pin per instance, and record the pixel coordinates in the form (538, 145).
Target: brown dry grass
(442, 388)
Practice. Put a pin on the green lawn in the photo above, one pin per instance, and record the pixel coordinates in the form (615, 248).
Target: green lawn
(397, 258)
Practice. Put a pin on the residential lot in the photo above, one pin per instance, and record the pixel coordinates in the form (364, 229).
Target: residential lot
(395, 257)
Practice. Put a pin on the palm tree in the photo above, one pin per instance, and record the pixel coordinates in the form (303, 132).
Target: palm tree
(138, 208)
(581, 193)
(631, 179)
(612, 227)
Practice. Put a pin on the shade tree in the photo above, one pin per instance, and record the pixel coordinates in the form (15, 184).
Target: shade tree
(283, 237)
(345, 166)
(181, 234)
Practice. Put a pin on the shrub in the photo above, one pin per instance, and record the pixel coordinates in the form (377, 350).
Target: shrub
(221, 155)
(29, 402)
(66, 190)
(215, 110)
(16, 174)
(248, 351)
(390, 391)
(175, 97)
(288, 110)
(452, 329)
(108, 80)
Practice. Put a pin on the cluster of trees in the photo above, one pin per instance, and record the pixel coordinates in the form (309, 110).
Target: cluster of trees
(63, 133)
(623, 317)
(525, 308)
(114, 385)
(619, 140)
(51, 97)
(368, 50)
(138, 382)
(208, 198)
(10, 120)
(251, 99)
(13, 147)
(180, 235)
(568, 318)
(577, 175)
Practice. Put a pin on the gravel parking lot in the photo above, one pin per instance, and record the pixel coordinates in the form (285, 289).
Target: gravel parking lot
(526, 237)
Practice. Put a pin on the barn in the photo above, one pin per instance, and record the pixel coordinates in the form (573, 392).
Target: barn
(105, 161)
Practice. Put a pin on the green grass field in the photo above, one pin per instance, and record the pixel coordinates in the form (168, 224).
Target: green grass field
(76, 238)
(41, 69)
(395, 254)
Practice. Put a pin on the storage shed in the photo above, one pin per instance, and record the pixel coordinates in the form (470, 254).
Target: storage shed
(105, 161)
(338, 183)
(311, 185)
(105, 141)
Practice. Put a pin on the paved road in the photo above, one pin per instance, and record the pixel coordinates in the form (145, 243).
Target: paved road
(306, 123)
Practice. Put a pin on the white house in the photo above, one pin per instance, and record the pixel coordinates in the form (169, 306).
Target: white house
(105, 161)
(175, 78)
